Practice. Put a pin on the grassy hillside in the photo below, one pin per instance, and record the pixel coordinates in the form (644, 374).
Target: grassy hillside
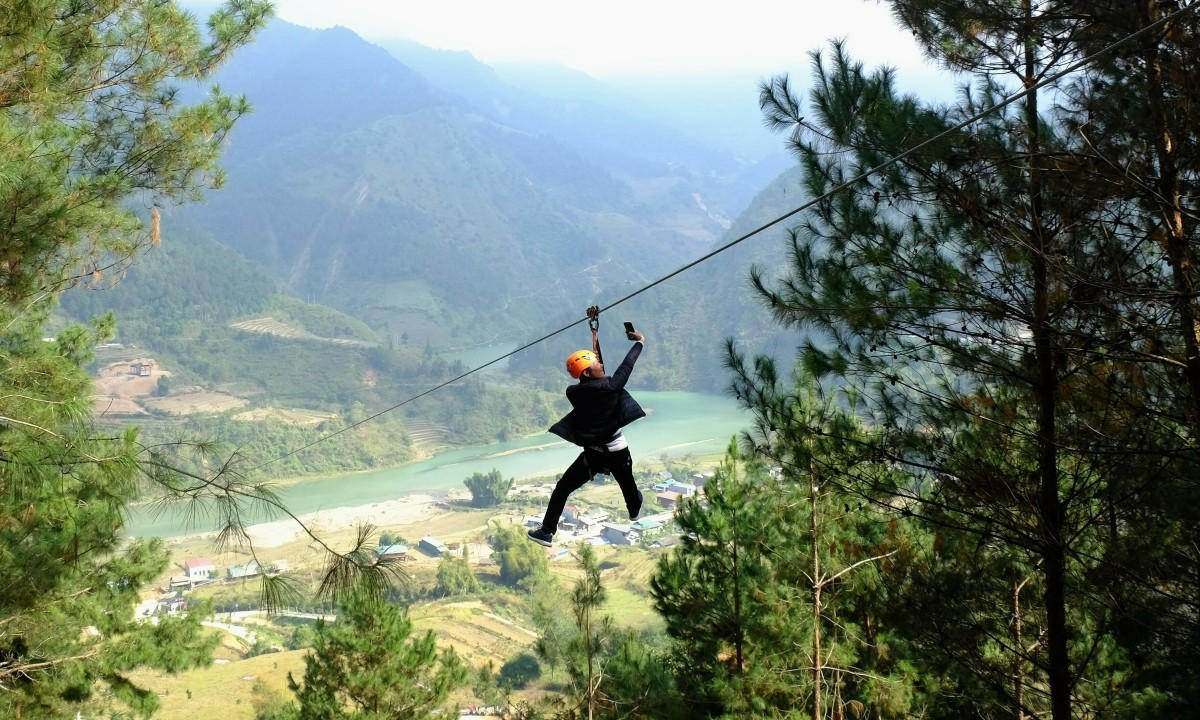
(494, 626)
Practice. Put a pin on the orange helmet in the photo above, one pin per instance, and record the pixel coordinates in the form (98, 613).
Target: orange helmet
(579, 361)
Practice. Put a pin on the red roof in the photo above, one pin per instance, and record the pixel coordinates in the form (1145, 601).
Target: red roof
(197, 562)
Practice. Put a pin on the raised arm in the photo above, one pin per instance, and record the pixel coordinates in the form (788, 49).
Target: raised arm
(621, 376)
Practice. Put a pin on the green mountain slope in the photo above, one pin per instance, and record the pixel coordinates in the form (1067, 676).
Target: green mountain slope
(358, 185)
(364, 230)
(688, 318)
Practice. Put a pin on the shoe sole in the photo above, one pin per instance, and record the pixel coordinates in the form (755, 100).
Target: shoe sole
(543, 543)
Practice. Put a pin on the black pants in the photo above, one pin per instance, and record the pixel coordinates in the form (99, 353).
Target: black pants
(589, 463)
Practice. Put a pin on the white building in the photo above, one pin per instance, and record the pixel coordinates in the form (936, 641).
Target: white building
(199, 570)
(685, 489)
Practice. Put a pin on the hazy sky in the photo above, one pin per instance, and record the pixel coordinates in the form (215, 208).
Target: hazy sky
(627, 37)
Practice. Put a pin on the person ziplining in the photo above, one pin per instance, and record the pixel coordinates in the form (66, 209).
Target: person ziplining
(600, 407)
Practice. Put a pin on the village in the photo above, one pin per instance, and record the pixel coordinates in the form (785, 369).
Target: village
(589, 521)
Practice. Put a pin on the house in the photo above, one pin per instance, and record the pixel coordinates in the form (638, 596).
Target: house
(682, 488)
(661, 518)
(618, 534)
(199, 570)
(646, 524)
(667, 541)
(140, 369)
(647, 528)
(236, 572)
(570, 513)
(431, 545)
(593, 517)
(586, 521)
(397, 551)
(533, 521)
(667, 499)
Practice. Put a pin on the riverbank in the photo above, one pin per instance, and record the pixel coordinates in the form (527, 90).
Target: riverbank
(400, 511)
(683, 424)
(273, 534)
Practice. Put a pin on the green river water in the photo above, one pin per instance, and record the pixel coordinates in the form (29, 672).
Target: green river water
(679, 423)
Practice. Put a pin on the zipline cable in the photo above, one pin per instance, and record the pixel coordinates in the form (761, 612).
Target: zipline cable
(1077, 65)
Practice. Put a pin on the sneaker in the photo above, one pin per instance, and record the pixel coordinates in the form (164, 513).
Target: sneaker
(636, 509)
(540, 536)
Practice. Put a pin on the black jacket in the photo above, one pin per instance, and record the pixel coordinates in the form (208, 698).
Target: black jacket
(600, 406)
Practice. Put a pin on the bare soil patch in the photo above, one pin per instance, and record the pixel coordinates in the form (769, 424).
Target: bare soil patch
(129, 387)
(107, 405)
(200, 401)
(134, 378)
(121, 385)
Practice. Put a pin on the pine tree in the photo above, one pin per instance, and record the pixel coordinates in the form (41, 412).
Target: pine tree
(710, 590)
(595, 630)
(1141, 127)
(369, 664)
(92, 126)
(91, 117)
(640, 682)
(979, 297)
(782, 574)
(88, 120)
(611, 673)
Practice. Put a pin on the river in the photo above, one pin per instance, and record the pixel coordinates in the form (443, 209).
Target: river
(678, 423)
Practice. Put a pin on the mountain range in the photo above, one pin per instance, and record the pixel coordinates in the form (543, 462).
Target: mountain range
(422, 193)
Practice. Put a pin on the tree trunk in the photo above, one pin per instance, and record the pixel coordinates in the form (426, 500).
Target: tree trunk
(1018, 674)
(739, 631)
(1170, 200)
(1050, 510)
(816, 607)
(591, 690)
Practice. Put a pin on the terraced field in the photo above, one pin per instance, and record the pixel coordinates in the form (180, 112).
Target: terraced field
(474, 631)
(226, 689)
(279, 328)
(428, 436)
(195, 402)
(297, 417)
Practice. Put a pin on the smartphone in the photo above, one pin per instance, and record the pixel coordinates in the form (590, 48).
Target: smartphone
(629, 327)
